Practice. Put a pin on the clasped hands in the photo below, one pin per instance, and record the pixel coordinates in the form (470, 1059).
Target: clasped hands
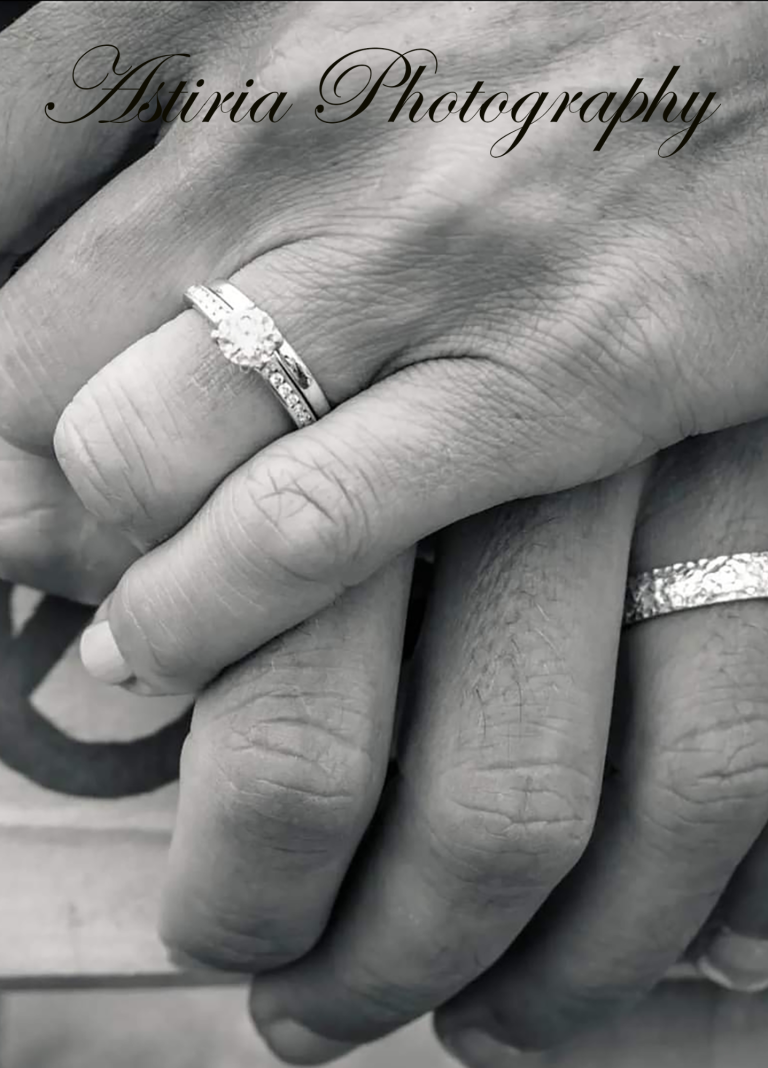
(516, 350)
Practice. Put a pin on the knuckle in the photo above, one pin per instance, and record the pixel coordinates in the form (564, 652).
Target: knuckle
(27, 410)
(286, 781)
(509, 828)
(311, 515)
(711, 777)
(619, 340)
(101, 462)
(234, 943)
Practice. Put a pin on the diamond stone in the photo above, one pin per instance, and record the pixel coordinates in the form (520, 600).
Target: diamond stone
(249, 338)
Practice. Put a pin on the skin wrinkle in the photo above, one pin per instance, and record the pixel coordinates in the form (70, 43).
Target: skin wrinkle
(295, 925)
(81, 450)
(24, 369)
(712, 877)
(474, 867)
(87, 460)
(322, 719)
(547, 374)
(699, 789)
(317, 666)
(290, 798)
(237, 536)
(314, 514)
(167, 638)
(349, 496)
(48, 39)
(122, 399)
(439, 885)
(262, 946)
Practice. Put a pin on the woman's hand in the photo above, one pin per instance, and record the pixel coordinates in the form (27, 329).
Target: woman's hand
(530, 322)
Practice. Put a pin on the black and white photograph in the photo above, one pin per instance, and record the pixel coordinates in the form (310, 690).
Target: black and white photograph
(384, 533)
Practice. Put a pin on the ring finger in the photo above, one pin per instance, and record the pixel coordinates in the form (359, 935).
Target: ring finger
(153, 433)
(501, 765)
(689, 790)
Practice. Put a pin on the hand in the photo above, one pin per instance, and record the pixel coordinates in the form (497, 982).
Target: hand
(151, 528)
(537, 342)
(47, 538)
(501, 830)
(500, 793)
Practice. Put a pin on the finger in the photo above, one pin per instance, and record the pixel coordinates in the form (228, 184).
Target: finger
(155, 431)
(310, 515)
(280, 776)
(734, 953)
(501, 768)
(116, 270)
(47, 539)
(537, 408)
(689, 793)
(59, 320)
(49, 165)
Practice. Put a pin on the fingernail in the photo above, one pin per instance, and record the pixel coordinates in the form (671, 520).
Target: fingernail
(736, 962)
(298, 1045)
(101, 657)
(476, 1049)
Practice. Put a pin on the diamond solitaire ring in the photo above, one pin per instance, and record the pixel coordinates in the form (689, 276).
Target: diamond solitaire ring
(249, 338)
(696, 584)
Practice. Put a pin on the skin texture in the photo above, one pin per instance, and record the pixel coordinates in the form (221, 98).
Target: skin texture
(509, 327)
(586, 325)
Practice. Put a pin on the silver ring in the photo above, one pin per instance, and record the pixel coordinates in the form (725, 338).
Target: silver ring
(696, 584)
(248, 337)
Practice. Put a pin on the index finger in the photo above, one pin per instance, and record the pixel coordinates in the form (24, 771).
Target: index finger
(311, 515)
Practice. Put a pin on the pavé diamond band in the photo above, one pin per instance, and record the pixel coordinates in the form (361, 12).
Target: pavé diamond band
(696, 584)
(248, 337)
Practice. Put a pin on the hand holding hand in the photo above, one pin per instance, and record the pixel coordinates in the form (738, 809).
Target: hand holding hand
(488, 328)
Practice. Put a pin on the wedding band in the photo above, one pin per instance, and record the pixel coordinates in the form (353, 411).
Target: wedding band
(248, 337)
(696, 584)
